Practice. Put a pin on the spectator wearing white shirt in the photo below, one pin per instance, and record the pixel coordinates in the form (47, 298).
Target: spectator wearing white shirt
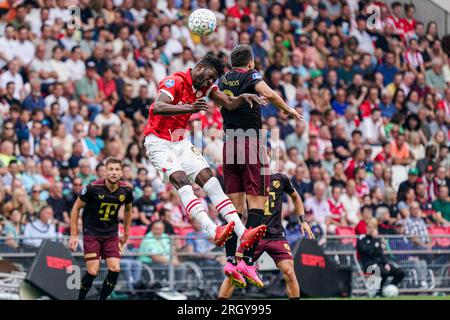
(59, 65)
(47, 73)
(172, 46)
(76, 66)
(107, 117)
(25, 48)
(60, 12)
(365, 44)
(139, 12)
(12, 75)
(413, 57)
(8, 46)
(42, 228)
(371, 128)
(318, 204)
(159, 69)
(351, 204)
(57, 96)
(149, 80)
(182, 63)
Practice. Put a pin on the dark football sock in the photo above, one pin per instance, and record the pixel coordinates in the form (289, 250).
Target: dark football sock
(230, 247)
(86, 284)
(109, 284)
(255, 219)
(294, 298)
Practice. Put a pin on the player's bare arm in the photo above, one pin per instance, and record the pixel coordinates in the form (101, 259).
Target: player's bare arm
(300, 210)
(163, 106)
(74, 216)
(126, 224)
(232, 103)
(276, 100)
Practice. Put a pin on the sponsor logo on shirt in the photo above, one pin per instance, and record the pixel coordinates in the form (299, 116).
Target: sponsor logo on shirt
(169, 83)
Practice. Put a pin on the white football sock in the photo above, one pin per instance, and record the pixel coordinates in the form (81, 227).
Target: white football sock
(193, 206)
(223, 204)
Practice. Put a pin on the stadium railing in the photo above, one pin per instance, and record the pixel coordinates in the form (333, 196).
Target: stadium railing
(427, 270)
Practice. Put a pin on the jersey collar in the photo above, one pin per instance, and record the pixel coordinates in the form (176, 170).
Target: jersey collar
(241, 70)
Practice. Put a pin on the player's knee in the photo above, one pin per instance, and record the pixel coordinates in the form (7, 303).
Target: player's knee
(289, 274)
(114, 268)
(179, 179)
(93, 271)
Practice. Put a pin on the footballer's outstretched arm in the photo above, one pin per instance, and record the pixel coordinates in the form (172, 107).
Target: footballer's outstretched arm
(300, 210)
(163, 106)
(74, 216)
(276, 100)
(232, 103)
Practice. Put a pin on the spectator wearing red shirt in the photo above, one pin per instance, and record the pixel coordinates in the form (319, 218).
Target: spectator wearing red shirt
(366, 216)
(107, 86)
(239, 10)
(357, 160)
(372, 102)
(362, 188)
(384, 156)
(337, 210)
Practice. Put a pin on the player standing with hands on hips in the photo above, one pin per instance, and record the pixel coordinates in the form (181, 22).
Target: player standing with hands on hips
(101, 201)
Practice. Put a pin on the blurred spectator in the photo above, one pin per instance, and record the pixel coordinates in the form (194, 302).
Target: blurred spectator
(42, 228)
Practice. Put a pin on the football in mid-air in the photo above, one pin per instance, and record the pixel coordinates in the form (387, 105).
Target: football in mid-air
(202, 22)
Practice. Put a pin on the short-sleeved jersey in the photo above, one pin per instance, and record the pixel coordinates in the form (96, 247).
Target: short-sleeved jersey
(279, 183)
(234, 83)
(179, 87)
(102, 207)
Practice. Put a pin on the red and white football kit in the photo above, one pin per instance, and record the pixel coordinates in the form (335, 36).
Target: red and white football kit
(165, 142)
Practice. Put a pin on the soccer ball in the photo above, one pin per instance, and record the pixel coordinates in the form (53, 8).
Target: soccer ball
(202, 22)
(390, 291)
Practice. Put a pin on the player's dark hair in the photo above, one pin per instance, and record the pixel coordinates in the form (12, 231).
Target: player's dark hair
(241, 55)
(113, 160)
(213, 61)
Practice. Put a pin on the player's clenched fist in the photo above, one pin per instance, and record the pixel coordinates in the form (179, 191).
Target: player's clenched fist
(73, 243)
(199, 105)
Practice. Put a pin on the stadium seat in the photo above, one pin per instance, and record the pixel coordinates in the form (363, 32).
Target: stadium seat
(347, 231)
(135, 231)
(442, 242)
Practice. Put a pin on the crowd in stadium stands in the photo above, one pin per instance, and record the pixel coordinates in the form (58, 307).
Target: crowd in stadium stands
(375, 99)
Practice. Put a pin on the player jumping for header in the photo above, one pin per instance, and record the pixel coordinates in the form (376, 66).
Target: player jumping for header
(101, 201)
(274, 241)
(246, 165)
(178, 161)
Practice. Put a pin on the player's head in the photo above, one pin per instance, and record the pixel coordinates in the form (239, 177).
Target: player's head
(208, 70)
(113, 170)
(242, 57)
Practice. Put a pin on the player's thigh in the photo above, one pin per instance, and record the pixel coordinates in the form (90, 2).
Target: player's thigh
(92, 248)
(238, 199)
(190, 158)
(279, 250)
(113, 264)
(162, 156)
(256, 202)
(260, 249)
(111, 248)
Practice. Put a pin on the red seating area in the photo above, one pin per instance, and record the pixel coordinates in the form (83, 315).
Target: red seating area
(440, 241)
(136, 231)
(347, 231)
